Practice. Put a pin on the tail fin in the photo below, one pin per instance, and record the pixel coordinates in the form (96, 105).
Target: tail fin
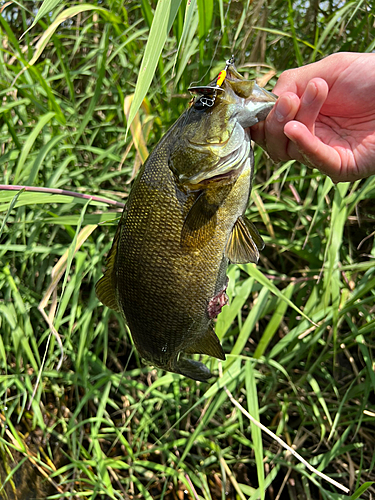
(193, 369)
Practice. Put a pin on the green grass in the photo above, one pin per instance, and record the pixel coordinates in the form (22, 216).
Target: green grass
(103, 425)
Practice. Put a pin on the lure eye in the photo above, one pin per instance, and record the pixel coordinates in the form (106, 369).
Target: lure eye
(207, 96)
(204, 102)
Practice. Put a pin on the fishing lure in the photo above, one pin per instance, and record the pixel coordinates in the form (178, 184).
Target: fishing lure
(223, 74)
(208, 93)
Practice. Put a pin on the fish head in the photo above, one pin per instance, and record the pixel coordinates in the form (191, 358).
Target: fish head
(212, 139)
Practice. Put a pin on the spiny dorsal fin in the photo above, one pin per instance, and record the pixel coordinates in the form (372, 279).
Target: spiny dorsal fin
(208, 344)
(105, 288)
(244, 243)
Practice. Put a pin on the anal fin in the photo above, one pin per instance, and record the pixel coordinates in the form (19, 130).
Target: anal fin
(208, 344)
(244, 243)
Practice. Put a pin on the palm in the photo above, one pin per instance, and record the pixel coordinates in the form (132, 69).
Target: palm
(352, 138)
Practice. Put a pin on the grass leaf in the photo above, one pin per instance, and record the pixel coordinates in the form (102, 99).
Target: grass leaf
(164, 16)
(66, 14)
(46, 7)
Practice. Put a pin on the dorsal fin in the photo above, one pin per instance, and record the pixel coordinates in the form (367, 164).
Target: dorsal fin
(244, 243)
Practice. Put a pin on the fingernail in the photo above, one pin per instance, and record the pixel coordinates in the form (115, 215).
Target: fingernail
(282, 109)
(310, 93)
(290, 137)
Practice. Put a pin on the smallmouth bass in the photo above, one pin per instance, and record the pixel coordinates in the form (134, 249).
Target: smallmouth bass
(183, 223)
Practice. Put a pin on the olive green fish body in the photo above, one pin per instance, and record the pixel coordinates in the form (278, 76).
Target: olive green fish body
(183, 222)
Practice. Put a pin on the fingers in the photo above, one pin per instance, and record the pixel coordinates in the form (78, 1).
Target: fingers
(289, 130)
(276, 141)
(330, 69)
(313, 152)
(270, 133)
(303, 145)
(312, 100)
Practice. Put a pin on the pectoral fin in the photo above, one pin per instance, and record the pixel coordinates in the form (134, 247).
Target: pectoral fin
(200, 222)
(244, 243)
(208, 344)
(105, 287)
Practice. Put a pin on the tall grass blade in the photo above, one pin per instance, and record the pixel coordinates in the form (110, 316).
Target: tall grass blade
(263, 280)
(256, 433)
(29, 144)
(50, 31)
(332, 26)
(46, 7)
(164, 16)
(187, 45)
(274, 322)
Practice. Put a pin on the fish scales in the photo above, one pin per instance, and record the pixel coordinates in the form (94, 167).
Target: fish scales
(166, 272)
(154, 233)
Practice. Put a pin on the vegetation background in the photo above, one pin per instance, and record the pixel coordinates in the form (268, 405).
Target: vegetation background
(80, 415)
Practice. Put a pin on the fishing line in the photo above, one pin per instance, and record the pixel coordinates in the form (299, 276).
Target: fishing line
(215, 50)
(219, 39)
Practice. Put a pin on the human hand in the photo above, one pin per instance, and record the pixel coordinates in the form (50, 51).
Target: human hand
(325, 117)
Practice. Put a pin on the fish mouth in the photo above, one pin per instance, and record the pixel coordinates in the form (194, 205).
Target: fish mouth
(256, 107)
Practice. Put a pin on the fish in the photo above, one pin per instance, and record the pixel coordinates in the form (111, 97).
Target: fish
(182, 225)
